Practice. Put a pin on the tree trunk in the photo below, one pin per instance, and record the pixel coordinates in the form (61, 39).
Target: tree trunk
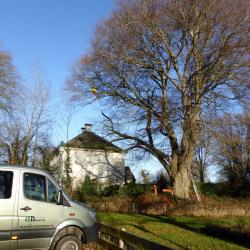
(181, 178)
(182, 183)
(184, 156)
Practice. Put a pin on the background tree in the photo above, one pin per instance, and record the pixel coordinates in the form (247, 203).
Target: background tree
(157, 65)
(233, 147)
(45, 155)
(67, 112)
(161, 180)
(145, 177)
(28, 126)
(8, 81)
(203, 157)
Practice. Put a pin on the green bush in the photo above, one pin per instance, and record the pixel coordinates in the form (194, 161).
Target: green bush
(110, 190)
(223, 189)
(89, 187)
(93, 188)
(213, 189)
(133, 190)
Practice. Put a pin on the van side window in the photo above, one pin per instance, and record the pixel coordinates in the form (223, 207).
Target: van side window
(34, 187)
(52, 192)
(6, 180)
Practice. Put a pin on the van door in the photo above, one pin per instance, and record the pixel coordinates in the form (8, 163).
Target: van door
(7, 205)
(38, 212)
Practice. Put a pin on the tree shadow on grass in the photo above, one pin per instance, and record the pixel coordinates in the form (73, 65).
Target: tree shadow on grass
(142, 228)
(215, 231)
(193, 225)
(140, 225)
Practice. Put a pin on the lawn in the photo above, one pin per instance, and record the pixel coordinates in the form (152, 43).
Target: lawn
(181, 232)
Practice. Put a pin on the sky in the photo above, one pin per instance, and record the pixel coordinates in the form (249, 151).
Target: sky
(53, 34)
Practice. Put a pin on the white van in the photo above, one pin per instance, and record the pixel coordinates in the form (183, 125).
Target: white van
(35, 213)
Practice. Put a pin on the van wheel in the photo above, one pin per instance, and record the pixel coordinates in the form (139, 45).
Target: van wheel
(69, 243)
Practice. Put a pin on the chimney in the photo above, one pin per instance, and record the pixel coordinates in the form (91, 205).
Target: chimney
(88, 127)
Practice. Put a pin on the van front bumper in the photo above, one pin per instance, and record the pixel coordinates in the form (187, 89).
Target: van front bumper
(91, 233)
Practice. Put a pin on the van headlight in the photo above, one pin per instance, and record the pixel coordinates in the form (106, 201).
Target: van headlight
(92, 214)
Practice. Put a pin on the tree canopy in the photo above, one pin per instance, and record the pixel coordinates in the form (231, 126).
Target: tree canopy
(157, 66)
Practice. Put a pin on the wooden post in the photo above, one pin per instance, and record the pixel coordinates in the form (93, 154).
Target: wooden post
(121, 243)
(195, 187)
(155, 189)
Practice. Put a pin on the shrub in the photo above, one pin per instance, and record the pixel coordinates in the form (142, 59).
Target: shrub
(110, 190)
(213, 189)
(223, 189)
(133, 190)
(89, 187)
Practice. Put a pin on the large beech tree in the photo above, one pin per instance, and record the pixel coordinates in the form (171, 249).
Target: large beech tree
(156, 65)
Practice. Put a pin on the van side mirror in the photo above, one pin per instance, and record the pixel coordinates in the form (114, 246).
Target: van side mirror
(59, 198)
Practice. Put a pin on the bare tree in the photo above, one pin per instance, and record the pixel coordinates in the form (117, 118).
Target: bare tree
(203, 157)
(44, 157)
(233, 147)
(8, 81)
(69, 110)
(28, 126)
(156, 65)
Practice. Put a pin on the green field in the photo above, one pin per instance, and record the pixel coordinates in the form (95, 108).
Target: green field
(181, 232)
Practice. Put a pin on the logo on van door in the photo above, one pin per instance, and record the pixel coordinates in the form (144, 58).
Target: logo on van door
(33, 218)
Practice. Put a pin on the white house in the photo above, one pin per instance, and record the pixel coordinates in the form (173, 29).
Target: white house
(92, 155)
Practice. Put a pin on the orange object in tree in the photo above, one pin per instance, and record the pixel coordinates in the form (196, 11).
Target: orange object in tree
(94, 91)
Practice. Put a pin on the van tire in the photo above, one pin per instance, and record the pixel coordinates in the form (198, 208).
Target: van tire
(70, 242)
(66, 232)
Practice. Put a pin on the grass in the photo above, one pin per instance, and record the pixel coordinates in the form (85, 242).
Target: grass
(180, 232)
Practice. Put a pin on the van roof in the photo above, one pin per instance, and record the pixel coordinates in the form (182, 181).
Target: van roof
(7, 166)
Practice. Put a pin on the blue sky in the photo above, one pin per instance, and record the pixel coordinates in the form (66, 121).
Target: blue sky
(55, 32)
(52, 33)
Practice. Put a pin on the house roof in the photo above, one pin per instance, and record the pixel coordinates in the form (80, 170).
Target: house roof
(90, 140)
